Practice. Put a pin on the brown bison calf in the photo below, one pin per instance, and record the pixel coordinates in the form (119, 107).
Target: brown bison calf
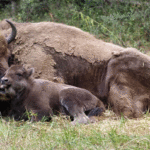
(45, 98)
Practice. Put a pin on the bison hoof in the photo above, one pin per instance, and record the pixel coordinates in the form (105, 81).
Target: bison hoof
(83, 120)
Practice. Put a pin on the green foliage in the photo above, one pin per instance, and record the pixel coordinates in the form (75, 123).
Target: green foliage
(32, 9)
(122, 22)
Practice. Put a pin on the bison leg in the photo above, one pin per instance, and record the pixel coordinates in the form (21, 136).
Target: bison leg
(122, 101)
(75, 111)
(42, 114)
(142, 103)
(74, 106)
(80, 118)
(128, 96)
(78, 101)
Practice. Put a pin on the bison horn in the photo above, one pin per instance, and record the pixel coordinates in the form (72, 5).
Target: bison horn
(13, 33)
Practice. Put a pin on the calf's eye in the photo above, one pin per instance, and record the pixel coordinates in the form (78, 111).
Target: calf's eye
(19, 74)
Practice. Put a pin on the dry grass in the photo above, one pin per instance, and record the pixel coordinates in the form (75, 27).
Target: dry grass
(109, 132)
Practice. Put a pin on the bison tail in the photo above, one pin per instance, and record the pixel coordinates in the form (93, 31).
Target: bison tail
(13, 33)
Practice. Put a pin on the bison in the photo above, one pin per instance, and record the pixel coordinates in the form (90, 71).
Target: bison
(45, 98)
(5, 60)
(118, 76)
(5, 54)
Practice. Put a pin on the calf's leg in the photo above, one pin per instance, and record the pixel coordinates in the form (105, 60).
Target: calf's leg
(73, 101)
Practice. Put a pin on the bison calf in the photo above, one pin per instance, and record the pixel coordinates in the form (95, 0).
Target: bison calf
(45, 98)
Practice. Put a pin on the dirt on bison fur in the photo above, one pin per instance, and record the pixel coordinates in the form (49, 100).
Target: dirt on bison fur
(61, 53)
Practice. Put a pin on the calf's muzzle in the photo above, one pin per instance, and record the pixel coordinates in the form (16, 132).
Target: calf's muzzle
(4, 80)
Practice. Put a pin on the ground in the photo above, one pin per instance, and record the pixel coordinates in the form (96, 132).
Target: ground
(108, 133)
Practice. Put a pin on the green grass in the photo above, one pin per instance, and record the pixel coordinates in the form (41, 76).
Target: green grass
(108, 133)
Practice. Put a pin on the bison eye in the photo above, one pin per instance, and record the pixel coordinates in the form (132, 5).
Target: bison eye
(19, 74)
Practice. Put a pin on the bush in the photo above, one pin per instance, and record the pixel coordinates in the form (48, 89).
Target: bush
(122, 22)
(32, 9)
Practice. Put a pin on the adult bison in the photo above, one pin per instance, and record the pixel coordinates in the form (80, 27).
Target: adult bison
(5, 57)
(5, 53)
(44, 98)
(118, 76)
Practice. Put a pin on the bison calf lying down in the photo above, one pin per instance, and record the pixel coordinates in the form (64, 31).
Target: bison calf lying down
(44, 98)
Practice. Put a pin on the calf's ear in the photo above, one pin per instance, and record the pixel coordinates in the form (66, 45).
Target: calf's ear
(30, 72)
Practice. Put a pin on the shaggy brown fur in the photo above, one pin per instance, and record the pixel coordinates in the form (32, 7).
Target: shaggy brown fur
(69, 55)
(5, 56)
(45, 97)
(127, 85)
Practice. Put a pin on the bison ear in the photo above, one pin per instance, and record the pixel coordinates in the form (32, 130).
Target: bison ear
(30, 72)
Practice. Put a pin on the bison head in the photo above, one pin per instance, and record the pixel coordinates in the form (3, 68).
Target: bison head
(5, 54)
(16, 80)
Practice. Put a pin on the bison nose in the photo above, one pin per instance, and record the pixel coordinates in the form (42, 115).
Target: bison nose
(4, 80)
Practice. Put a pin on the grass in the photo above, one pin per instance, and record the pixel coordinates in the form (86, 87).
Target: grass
(109, 133)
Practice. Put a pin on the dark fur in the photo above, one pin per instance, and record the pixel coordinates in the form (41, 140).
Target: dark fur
(127, 84)
(44, 98)
(5, 61)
